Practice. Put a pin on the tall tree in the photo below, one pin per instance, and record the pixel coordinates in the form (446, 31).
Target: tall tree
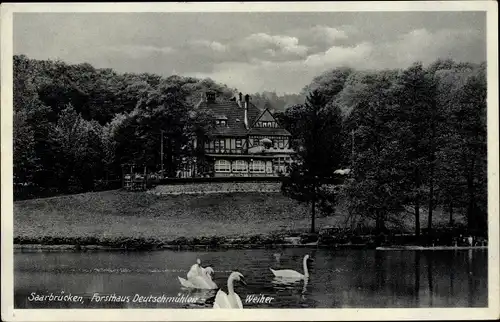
(330, 83)
(413, 91)
(469, 116)
(375, 188)
(318, 131)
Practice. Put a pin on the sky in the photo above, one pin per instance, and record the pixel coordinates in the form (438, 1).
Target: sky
(251, 51)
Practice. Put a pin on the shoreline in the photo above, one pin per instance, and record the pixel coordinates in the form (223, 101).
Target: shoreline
(71, 247)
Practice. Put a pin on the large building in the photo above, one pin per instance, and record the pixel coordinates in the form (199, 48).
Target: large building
(245, 140)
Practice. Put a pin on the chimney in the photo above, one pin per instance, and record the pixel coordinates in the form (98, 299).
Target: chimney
(247, 100)
(240, 100)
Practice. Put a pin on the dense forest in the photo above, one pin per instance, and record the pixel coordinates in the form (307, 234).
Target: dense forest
(75, 125)
(413, 138)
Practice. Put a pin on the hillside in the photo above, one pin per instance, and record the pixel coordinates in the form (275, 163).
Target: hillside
(110, 217)
(115, 214)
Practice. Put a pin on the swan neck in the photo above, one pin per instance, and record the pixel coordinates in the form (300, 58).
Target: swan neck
(306, 271)
(230, 285)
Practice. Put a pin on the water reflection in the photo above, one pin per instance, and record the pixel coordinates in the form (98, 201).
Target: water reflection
(338, 278)
(469, 277)
(429, 278)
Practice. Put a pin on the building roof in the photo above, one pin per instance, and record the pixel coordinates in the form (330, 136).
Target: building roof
(267, 131)
(235, 118)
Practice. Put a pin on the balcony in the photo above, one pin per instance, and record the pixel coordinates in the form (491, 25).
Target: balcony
(263, 150)
(224, 151)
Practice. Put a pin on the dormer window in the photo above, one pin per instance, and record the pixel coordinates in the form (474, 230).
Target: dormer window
(221, 120)
(211, 97)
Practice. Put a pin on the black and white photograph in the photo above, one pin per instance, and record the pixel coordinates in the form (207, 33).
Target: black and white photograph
(224, 156)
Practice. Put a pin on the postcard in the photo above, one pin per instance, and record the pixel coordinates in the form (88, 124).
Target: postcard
(250, 161)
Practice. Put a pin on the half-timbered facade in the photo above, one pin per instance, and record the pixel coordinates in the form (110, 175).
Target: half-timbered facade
(245, 141)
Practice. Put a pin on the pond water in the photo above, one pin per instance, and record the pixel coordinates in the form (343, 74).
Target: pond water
(338, 278)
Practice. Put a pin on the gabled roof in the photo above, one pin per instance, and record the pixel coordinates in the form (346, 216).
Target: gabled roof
(266, 115)
(235, 116)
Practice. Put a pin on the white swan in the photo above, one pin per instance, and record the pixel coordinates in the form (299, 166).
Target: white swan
(208, 272)
(291, 274)
(202, 281)
(230, 300)
(198, 282)
(195, 270)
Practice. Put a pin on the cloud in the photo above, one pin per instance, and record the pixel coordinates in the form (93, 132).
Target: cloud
(337, 55)
(213, 45)
(426, 46)
(260, 46)
(279, 43)
(319, 38)
(291, 75)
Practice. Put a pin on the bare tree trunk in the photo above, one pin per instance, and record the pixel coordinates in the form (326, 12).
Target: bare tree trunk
(380, 222)
(417, 217)
(431, 164)
(431, 201)
(450, 211)
(313, 210)
(471, 203)
(313, 215)
(417, 203)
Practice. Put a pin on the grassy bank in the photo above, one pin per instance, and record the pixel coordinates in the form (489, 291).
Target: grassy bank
(137, 220)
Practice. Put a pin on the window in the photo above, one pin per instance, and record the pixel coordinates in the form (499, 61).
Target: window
(238, 143)
(223, 122)
(219, 145)
(280, 165)
(240, 166)
(222, 166)
(258, 166)
(269, 167)
(281, 144)
(266, 124)
(255, 142)
(217, 122)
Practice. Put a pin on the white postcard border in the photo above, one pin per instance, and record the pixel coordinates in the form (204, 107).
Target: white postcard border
(11, 314)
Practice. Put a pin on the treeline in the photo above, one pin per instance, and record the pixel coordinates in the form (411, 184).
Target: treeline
(75, 125)
(277, 103)
(414, 139)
